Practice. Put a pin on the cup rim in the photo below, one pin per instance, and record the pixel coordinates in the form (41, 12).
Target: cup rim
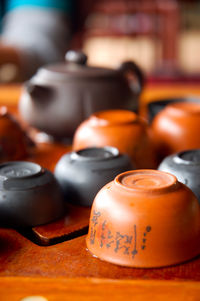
(77, 155)
(179, 160)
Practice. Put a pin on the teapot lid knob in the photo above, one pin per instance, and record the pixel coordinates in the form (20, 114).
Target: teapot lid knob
(76, 57)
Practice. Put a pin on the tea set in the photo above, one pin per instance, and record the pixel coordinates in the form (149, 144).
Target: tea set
(140, 179)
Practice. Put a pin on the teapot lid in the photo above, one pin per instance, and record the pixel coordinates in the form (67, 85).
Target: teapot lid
(75, 66)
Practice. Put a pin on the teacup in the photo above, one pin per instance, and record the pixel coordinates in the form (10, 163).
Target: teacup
(83, 173)
(186, 167)
(122, 129)
(144, 218)
(13, 141)
(29, 195)
(176, 128)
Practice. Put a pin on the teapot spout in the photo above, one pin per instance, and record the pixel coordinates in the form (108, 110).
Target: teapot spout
(38, 92)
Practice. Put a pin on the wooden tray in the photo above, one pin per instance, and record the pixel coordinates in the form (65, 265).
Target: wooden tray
(51, 249)
(52, 260)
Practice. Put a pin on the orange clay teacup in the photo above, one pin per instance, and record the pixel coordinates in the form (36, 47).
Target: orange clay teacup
(13, 141)
(121, 129)
(144, 218)
(176, 128)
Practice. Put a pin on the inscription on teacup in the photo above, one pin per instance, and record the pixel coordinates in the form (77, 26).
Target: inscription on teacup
(118, 241)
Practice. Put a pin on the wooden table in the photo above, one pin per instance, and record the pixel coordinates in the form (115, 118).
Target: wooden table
(63, 269)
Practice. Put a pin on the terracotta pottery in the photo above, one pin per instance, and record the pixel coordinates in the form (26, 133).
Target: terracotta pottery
(71, 91)
(119, 128)
(13, 141)
(176, 128)
(29, 195)
(186, 167)
(83, 173)
(144, 218)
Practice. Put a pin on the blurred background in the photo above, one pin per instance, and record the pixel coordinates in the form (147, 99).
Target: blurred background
(162, 36)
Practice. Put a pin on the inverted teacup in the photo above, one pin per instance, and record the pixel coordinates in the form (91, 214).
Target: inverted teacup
(144, 218)
(29, 195)
(122, 129)
(83, 173)
(176, 128)
(186, 167)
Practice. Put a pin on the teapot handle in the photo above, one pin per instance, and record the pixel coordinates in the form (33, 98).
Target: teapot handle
(132, 68)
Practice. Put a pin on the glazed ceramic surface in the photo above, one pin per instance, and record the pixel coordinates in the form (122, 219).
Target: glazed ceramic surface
(121, 129)
(83, 173)
(144, 218)
(70, 92)
(29, 195)
(13, 141)
(186, 167)
(176, 128)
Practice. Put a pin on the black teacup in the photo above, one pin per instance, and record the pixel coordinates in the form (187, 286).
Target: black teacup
(83, 173)
(29, 195)
(186, 167)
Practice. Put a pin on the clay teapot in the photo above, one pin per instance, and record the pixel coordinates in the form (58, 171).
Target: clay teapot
(60, 96)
